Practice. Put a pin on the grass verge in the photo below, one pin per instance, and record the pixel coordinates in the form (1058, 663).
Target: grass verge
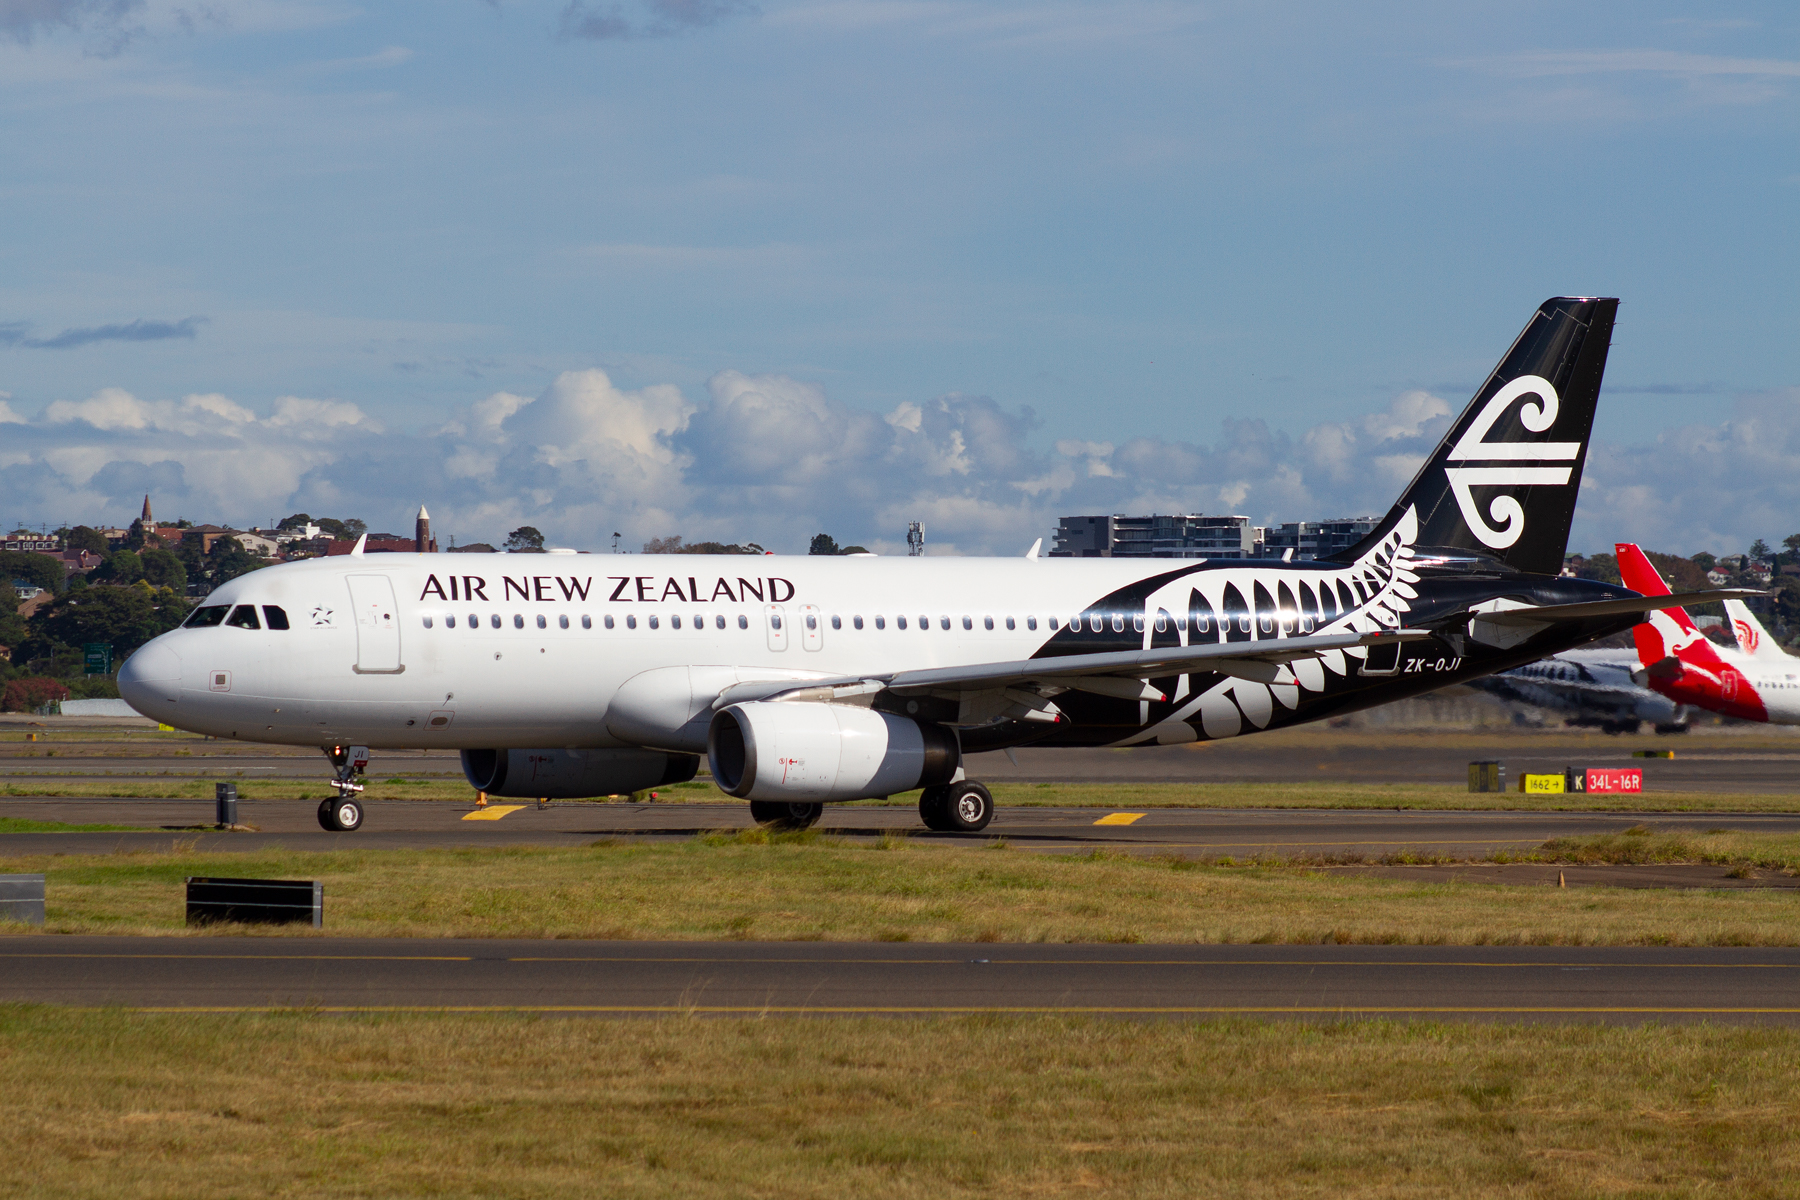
(802, 887)
(129, 1105)
(21, 825)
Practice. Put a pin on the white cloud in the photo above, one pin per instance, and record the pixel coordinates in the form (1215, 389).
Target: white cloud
(774, 459)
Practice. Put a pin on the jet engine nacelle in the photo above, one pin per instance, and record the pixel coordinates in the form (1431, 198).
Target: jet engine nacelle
(574, 774)
(804, 751)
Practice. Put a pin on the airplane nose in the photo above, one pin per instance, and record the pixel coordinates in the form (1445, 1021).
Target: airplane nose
(150, 680)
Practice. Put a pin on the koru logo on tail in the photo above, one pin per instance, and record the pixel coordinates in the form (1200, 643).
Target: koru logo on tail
(1507, 513)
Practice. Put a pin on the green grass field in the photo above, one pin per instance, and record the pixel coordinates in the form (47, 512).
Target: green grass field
(108, 1103)
(789, 887)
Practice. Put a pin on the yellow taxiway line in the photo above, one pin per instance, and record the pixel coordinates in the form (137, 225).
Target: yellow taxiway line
(492, 812)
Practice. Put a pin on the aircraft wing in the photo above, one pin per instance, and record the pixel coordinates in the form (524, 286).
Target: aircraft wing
(1261, 661)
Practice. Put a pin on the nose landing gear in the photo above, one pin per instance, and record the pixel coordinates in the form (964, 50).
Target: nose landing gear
(345, 814)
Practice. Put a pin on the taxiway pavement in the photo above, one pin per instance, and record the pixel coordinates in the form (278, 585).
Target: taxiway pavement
(1614, 984)
(1190, 832)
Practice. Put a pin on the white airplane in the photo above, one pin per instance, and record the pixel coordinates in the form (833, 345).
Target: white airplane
(1758, 681)
(1596, 687)
(806, 680)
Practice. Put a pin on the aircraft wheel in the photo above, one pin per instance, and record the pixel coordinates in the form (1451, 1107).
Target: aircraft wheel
(341, 816)
(784, 815)
(933, 808)
(968, 807)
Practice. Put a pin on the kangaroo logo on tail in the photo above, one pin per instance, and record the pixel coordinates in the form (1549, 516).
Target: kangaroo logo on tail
(1506, 509)
(1747, 636)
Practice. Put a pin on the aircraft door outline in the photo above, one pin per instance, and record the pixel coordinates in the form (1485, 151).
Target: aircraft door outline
(812, 628)
(776, 618)
(377, 625)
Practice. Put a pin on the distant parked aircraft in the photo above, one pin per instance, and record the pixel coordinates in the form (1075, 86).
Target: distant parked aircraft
(1756, 682)
(1594, 687)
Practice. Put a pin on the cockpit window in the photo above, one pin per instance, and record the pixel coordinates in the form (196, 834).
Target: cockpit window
(206, 618)
(243, 617)
(274, 616)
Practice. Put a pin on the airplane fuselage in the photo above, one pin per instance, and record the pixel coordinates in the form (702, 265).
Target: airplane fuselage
(498, 651)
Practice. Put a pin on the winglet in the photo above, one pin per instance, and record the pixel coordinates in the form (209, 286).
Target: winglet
(1035, 547)
(356, 550)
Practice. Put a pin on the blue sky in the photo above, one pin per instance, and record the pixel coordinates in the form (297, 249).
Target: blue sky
(781, 267)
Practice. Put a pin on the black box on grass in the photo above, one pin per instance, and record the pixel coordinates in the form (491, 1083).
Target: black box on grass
(22, 898)
(1487, 776)
(255, 901)
(225, 800)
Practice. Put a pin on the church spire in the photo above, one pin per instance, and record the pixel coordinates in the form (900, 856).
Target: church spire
(147, 519)
(423, 542)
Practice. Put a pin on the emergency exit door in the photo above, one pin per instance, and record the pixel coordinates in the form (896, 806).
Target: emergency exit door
(377, 625)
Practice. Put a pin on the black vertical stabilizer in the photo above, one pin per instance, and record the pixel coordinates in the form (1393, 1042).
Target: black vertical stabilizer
(1502, 483)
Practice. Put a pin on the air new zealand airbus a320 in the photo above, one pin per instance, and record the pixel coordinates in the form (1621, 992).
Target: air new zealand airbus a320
(809, 680)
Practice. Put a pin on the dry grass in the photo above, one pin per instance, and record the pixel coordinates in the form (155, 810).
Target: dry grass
(802, 887)
(292, 1104)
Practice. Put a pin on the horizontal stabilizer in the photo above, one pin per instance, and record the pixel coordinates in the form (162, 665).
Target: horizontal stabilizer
(1550, 613)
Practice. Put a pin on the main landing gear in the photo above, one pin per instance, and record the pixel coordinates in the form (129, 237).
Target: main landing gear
(962, 807)
(785, 816)
(345, 814)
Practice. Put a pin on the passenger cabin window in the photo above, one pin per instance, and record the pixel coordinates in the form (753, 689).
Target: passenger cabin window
(275, 617)
(428, 622)
(899, 622)
(518, 621)
(450, 621)
(562, 622)
(1009, 623)
(587, 622)
(543, 624)
(494, 620)
(607, 619)
(653, 623)
(1052, 624)
(856, 622)
(719, 621)
(674, 622)
(943, 621)
(880, 622)
(630, 621)
(743, 621)
(206, 618)
(1030, 623)
(243, 617)
(968, 624)
(837, 622)
(988, 622)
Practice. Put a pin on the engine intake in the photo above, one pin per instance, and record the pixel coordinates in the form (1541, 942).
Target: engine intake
(771, 750)
(574, 774)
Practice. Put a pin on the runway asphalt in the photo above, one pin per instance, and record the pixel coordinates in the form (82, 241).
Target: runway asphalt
(1199, 833)
(226, 974)
(1736, 759)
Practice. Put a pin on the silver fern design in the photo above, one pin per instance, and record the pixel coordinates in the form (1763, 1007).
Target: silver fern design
(1257, 606)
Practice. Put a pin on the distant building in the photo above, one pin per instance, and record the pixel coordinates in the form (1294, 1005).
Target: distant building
(1193, 535)
(1316, 539)
(32, 543)
(1188, 535)
(25, 588)
(423, 542)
